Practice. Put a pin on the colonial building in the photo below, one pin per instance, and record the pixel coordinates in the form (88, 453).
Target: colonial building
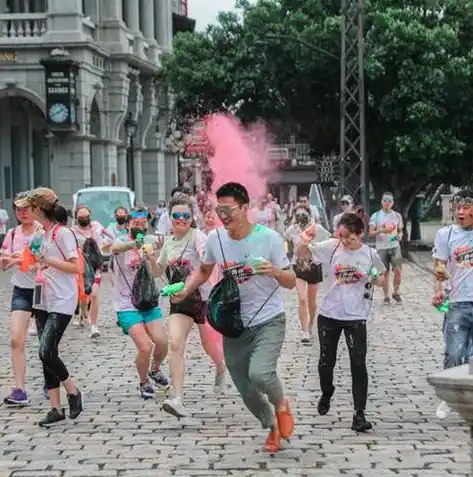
(79, 102)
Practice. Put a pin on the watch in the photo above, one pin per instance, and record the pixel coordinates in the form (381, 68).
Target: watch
(58, 113)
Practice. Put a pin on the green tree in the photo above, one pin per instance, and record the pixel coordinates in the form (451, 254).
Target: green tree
(418, 79)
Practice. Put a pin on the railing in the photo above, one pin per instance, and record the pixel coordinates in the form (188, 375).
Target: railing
(22, 27)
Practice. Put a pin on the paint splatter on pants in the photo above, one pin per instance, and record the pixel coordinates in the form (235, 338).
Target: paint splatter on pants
(329, 331)
(458, 334)
(51, 327)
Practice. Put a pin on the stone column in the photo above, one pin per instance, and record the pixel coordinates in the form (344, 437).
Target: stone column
(112, 9)
(65, 22)
(147, 18)
(163, 23)
(132, 15)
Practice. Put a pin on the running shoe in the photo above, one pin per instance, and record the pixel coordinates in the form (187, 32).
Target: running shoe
(32, 331)
(397, 298)
(360, 424)
(273, 441)
(76, 405)
(146, 390)
(94, 332)
(306, 336)
(53, 417)
(17, 397)
(161, 379)
(175, 407)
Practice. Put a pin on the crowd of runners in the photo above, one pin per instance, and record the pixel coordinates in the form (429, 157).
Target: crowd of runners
(221, 251)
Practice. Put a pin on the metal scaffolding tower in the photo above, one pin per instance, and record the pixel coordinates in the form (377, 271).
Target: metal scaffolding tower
(354, 176)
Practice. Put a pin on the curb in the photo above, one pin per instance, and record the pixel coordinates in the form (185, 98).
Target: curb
(413, 259)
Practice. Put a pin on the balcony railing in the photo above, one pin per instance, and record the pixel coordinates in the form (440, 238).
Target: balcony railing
(22, 27)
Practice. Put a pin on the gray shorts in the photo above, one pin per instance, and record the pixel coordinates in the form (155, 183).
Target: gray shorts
(391, 257)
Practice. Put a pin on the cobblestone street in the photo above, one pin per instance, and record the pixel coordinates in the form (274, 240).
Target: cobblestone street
(119, 435)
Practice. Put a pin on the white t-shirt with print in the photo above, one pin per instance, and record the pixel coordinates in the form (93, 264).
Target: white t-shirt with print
(454, 245)
(20, 242)
(60, 290)
(391, 220)
(190, 249)
(293, 233)
(347, 275)
(254, 289)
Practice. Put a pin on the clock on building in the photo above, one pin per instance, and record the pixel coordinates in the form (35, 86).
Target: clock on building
(58, 113)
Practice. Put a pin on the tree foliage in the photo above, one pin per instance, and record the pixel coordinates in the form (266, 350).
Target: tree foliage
(418, 80)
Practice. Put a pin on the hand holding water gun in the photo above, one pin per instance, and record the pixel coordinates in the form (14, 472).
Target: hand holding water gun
(441, 302)
(170, 290)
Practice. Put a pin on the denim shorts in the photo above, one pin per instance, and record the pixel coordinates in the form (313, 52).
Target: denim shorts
(22, 299)
(129, 318)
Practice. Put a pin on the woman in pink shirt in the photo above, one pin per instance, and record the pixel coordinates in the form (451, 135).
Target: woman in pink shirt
(16, 240)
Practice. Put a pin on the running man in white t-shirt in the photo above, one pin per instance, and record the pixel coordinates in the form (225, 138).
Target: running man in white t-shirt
(353, 268)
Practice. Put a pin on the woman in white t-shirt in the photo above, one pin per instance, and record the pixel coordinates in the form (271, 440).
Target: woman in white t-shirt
(308, 273)
(55, 299)
(85, 229)
(353, 269)
(181, 254)
(13, 257)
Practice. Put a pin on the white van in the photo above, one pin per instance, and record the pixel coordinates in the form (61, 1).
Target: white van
(103, 200)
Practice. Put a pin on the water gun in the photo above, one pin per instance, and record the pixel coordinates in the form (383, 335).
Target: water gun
(31, 253)
(393, 238)
(140, 239)
(373, 273)
(149, 242)
(444, 307)
(170, 290)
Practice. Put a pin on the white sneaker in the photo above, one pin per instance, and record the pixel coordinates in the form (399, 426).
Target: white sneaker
(443, 410)
(32, 331)
(305, 337)
(94, 331)
(219, 382)
(175, 407)
(76, 321)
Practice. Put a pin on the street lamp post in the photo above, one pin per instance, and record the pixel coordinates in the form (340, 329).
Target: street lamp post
(131, 128)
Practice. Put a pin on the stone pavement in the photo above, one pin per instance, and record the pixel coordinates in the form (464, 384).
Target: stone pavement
(119, 435)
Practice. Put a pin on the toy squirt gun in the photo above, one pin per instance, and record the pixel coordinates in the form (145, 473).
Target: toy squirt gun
(30, 254)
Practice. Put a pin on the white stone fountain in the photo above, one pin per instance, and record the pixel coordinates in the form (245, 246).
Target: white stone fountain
(455, 386)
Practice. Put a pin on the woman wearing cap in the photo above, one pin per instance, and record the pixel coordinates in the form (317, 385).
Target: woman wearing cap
(308, 274)
(55, 300)
(16, 241)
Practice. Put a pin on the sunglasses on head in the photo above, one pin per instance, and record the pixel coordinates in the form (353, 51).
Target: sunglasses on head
(139, 215)
(181, 215)
(463, 200)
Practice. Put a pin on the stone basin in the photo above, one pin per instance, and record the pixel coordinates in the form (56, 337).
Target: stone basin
(455, 386)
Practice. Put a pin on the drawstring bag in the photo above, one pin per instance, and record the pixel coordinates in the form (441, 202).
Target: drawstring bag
(193, 305)
(89, 276)
(144, 292)
(224, 305)
(93, 254)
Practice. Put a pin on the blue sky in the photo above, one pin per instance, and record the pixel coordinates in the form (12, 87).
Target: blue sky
(205, 11)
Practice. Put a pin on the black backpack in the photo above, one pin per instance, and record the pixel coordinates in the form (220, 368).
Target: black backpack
(224, 306)
(92, 254)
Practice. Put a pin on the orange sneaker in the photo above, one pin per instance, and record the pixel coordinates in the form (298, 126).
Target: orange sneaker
(285, 421)
(273, 441)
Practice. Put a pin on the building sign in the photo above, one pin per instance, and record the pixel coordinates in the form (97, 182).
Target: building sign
(61, 94)
(8, 56)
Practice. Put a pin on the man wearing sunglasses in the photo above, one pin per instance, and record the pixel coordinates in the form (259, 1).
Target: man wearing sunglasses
(387, 226)
(304, 200)
(346, 205)
(254, 255)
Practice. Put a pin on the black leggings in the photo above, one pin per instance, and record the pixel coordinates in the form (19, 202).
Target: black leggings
(51, 327)
(355, 337)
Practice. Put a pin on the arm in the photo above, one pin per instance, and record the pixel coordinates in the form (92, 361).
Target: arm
(70, 265)
(122, 247)
(198, 278)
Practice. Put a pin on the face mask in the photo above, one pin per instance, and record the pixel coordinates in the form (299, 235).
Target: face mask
(121, 219)
(135, 231)
(84, 222)
(302, 219)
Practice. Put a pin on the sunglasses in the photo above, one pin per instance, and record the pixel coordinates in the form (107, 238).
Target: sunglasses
(139, 215)
(22, 210)
(225, 210)
(344, 202)
(181, 215)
